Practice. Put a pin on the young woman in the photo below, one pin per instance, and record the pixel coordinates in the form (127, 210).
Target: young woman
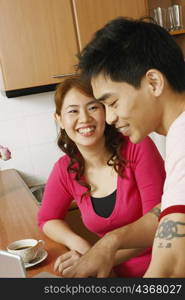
(113, 181)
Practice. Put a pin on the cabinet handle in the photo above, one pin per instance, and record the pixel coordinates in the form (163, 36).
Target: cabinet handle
(63, 75)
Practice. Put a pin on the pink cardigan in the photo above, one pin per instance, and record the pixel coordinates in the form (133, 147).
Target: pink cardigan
(137, 192)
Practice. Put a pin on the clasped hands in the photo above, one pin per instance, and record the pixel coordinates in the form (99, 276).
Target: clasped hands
(97, 262)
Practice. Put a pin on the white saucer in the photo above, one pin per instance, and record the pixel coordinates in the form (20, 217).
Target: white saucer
(41, 256)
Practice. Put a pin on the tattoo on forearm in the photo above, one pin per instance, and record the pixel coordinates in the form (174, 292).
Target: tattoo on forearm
(156, 211)
(169, 229)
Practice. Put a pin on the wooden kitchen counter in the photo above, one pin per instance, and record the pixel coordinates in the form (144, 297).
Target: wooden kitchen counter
(18, 210)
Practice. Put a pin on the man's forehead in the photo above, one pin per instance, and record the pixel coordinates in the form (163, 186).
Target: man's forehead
(101, 87)
(99, 78)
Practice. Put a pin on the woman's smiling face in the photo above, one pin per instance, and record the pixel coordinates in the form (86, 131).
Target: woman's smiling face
(83, 118)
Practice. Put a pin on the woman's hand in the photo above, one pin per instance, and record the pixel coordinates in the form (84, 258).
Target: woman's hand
(66, 261)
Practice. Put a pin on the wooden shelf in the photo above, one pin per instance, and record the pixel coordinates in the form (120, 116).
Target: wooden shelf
(177, 32)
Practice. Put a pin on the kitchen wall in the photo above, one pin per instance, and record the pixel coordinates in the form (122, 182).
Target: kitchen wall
(28, 129)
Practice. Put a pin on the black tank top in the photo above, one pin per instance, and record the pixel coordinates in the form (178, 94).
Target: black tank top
(105, 205)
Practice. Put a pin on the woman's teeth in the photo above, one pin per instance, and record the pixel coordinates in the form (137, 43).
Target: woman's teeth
(86, 130)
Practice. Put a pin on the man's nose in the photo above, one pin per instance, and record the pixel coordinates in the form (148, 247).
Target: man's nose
(111, 117)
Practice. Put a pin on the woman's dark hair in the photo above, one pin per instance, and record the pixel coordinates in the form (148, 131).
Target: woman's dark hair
(125, 49)
(113, 139)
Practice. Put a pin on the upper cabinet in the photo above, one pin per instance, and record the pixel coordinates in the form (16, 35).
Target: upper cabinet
(90, 15)
(37, 42)
(39, 39)
(178, 34)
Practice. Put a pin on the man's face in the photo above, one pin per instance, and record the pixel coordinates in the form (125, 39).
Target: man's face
(132, 110)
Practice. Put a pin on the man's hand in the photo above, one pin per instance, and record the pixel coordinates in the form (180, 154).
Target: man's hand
(97, 262)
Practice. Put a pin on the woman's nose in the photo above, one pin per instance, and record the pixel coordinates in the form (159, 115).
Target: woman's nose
(84, 116)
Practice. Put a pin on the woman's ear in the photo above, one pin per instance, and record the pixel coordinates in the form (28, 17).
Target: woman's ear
(155, 81)
(58, 120)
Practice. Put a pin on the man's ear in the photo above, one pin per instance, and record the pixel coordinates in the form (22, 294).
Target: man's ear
(155, 80)
(58, 120)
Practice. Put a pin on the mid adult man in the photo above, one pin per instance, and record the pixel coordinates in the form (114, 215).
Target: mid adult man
(138, 72)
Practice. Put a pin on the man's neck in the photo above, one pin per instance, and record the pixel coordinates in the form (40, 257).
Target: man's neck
(173, 106)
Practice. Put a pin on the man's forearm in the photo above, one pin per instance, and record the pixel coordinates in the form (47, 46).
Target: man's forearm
(126, 254)
(99, 260)
(139, 234)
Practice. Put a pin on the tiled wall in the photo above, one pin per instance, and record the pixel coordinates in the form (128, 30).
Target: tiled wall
(28, 129)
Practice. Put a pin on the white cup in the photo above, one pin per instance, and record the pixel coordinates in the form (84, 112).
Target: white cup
(27, 248)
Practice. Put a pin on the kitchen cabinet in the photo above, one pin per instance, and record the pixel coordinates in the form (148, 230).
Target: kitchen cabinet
(90, 15)
(39, 39)
(37, 43)
(178, 35)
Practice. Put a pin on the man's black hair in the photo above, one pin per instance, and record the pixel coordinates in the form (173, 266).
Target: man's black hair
(125, 49)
